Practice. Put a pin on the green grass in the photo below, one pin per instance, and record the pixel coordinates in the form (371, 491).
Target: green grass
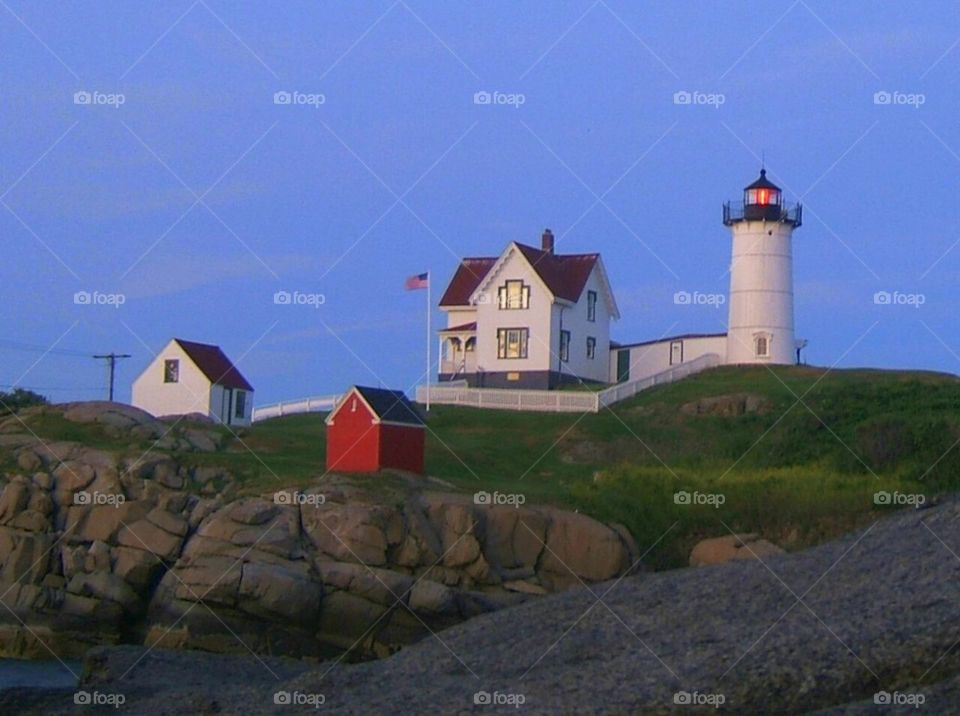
(798, 473)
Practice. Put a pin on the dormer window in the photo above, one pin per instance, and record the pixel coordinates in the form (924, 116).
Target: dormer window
(513, 295)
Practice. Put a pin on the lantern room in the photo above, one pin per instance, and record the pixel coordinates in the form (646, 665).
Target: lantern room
(762, 201)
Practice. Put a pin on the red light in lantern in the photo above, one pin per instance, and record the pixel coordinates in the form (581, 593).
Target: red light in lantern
(763, 196)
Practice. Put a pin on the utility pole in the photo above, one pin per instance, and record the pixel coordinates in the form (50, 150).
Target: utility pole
(112, 358)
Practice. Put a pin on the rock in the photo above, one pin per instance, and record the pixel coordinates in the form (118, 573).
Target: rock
(273, 591)
(732, 405)
(203, 440)
(524, 587)
(117, 415)
(723, 549)
(98, 558)
(14, 498)
(28, 460)
(579, 547)
(280, 536)
(254, 511)
(432, 598)
(43, 480)
(73, 475)
(31, 521)
(147, 536)
(25, 557)
(348, 533)
(104, 585)
(167, 521)
(138, 568)
(212, 579)
(102, 522)
(382, 586)
(515, 537)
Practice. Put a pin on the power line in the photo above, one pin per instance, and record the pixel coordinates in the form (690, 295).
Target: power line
(14, 345)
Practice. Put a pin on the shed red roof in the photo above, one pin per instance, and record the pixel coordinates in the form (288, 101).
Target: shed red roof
(564, 274)
(214, 364)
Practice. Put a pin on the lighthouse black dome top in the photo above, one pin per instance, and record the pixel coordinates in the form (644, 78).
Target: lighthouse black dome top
(762, 201)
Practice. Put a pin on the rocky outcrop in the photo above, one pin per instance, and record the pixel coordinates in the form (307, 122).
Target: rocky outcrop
(718, 550)
(832, 630)
(97, 546)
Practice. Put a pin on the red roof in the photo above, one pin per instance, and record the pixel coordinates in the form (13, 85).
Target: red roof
(469, 274)
(564, 274)
(214, 364)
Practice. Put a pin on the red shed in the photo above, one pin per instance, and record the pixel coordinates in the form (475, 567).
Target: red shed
(373, 429)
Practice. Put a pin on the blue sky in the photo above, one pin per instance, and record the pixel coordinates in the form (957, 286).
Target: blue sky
(198, 197)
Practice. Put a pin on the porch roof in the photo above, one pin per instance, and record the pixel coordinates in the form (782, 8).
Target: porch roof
(463, 328)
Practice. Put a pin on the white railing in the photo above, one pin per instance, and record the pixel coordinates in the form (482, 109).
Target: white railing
(559, 401)
(622, 391)
(317, 403)
(553, 401)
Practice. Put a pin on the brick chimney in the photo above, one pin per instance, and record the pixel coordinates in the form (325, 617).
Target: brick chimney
(546, 241)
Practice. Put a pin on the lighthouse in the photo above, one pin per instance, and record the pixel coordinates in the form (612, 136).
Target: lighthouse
(760, 319)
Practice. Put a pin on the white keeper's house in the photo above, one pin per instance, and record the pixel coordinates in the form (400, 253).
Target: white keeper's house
(533, 318)
(188, 377)
(529, 318)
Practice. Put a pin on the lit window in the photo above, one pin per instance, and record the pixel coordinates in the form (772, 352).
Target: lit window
(512, 342)
(513, 295)
(591, 347)
(171, 371)
(564, 346)
(591, 305)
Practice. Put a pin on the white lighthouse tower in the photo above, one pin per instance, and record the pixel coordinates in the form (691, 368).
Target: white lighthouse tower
(760, 323)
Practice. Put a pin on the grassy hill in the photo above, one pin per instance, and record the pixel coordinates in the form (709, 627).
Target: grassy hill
(797, 454)
(800, 465)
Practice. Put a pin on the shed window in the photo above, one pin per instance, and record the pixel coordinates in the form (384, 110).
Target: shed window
(171, 371)
(240, 409)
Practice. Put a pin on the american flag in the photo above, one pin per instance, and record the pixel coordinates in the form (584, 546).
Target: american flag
(417, 281)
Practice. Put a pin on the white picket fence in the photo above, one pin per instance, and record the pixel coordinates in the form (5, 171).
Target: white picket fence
(559, 401)
(545, 401)
(315, 404)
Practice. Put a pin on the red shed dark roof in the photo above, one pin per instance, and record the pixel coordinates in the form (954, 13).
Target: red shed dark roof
(391, 405)
(468, 276)
(564, 274)
(214, 364)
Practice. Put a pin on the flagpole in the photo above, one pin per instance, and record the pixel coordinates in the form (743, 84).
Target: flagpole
(429, 340)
